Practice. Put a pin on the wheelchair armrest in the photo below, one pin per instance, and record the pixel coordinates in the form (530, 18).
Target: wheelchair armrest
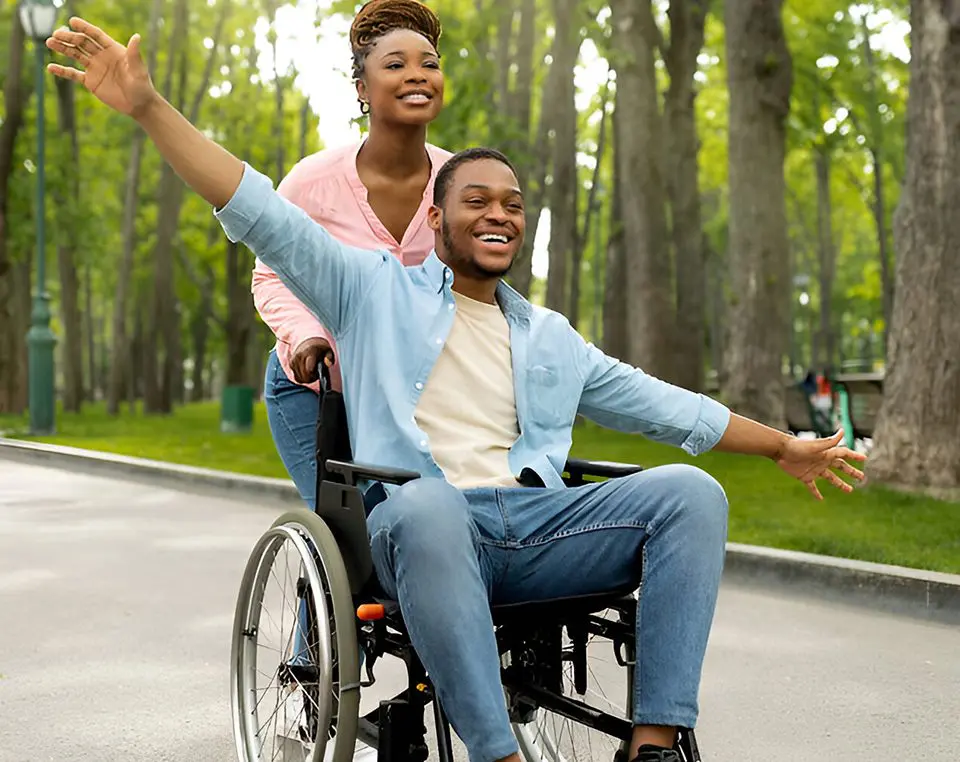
(578, 468)
(353, 472)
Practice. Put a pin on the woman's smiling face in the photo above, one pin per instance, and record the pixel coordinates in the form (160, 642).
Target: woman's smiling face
(402, 80)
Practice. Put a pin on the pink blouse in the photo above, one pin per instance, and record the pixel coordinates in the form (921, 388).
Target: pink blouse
(326, 186)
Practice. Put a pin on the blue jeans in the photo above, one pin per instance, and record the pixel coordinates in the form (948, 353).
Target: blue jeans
(447, 554)
(292, 412)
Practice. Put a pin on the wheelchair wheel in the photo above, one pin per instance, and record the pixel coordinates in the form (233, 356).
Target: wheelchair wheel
(295, 671)
(550, 737)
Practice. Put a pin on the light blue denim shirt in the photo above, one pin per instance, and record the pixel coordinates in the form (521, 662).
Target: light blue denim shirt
(390, 323)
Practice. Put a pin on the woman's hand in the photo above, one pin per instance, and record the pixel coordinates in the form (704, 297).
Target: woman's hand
(115, 74)
(306, 358)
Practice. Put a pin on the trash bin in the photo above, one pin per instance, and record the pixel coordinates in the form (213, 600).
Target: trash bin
(236, 409)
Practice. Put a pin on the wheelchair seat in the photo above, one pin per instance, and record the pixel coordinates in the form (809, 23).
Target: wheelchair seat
(559, 610)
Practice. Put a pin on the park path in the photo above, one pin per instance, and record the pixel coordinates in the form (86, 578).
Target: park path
(116, 601)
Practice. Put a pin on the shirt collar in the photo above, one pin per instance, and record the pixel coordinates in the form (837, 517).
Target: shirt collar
(510, 300)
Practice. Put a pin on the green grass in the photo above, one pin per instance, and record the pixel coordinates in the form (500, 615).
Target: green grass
(766, 506)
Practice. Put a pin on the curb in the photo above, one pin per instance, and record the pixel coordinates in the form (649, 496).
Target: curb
(152, 472)
(894, 589)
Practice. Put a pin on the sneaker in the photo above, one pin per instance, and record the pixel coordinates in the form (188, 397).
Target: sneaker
(651, 753)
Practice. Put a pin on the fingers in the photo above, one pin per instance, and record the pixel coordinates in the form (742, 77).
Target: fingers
(837, 482)
(66, 72)
(842, 465)
(133, 50)
(832, 441)
(814, 490)
(329, 359)
(94, 33)
(69, 50)
(310, 366)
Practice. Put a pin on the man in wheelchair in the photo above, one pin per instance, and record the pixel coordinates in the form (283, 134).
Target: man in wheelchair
(451, 374)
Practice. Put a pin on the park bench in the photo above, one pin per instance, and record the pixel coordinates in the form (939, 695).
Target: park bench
(864, 393)
(802, 415)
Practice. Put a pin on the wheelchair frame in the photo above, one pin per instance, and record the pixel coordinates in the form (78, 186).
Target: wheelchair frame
(529, 635)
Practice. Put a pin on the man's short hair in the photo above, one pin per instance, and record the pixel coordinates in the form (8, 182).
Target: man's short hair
(445, 175)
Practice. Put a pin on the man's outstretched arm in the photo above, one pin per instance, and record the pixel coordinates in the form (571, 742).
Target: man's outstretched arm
(622, 397)
(323, 273)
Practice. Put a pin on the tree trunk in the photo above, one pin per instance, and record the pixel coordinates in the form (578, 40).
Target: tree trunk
(239, 323)
(827, 260)
(121, 368)
(687, 21)
(90, 336)
(563, 188)
(14, 100)
(590, 214)
(535, 187)
(879, 200)
(279, 129)
(67, 238)
(650, 304)
(503, 53)
(163, 374)
(615, 291)
(760, 77)
(916, 435)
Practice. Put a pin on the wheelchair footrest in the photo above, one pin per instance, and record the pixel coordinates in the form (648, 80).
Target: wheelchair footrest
(399, 739)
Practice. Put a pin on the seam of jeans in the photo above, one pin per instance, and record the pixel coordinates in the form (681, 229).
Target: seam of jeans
(602, 526)
(507, 529)
(637, 676)
(389, 557)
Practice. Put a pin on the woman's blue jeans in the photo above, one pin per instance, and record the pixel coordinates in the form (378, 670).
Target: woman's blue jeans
(292, 412)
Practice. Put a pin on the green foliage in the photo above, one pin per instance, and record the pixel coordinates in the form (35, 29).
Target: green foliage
(833, 109)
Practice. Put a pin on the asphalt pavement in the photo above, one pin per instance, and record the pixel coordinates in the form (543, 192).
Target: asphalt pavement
(116, 604)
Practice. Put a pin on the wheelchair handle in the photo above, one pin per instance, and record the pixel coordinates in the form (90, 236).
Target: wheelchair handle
(324, 377)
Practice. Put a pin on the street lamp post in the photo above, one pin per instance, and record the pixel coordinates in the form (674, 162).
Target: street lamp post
(38, 18)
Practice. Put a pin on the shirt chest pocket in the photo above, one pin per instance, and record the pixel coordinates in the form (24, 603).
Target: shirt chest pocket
(552, 398)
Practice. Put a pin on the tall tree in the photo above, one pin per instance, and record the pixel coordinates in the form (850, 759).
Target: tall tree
(68, 199)
(642, 189)
(12, 397)
(916, 434)
(760, 77)
(163, 372)
(120, 360)
(687, 21)
(615, 270)
(563, 188)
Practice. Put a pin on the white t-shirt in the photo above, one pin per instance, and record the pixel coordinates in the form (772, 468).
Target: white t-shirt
(468, 409)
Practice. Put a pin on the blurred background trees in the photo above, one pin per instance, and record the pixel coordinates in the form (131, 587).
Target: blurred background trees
(711, 186)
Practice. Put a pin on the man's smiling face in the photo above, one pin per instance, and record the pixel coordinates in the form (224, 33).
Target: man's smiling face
(480, 220)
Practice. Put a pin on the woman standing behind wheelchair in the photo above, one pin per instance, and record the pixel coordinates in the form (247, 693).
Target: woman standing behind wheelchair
(373, 194)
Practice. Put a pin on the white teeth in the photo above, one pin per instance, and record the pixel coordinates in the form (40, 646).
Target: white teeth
(490, 238)
(417, 97)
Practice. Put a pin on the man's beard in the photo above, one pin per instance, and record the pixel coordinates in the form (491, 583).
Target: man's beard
(464, 262)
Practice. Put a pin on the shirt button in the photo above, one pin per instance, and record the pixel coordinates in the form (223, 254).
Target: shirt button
(423, 442)
(449, 306)
(439, 341)
(419, 385)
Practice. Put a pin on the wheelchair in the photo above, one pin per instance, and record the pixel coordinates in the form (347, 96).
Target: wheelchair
(317, 566)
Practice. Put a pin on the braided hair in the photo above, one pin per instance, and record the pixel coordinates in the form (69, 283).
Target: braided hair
(379, 17)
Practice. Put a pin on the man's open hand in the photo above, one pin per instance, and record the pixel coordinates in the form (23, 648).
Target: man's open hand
(305, 360)
(812, 459)
(115, 74)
